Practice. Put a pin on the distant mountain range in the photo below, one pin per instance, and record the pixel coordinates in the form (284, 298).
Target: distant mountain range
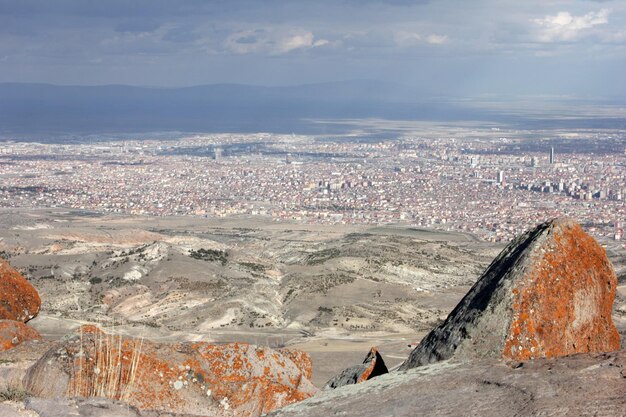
(44, 109)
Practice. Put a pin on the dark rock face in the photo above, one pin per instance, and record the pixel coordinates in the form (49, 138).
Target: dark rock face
(19, 300)
(549, 293)
(372, 366)
(188, 378)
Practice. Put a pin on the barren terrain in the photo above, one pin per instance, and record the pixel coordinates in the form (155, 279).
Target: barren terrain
(332, 291)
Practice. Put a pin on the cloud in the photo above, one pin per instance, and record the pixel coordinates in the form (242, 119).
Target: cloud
(137, 26)
(616, 36)
(181, 34)
(270, 42)
(301, 41)
(247, 41)
(408, 39)
(565, 27)
(436, 39)
(389, 2)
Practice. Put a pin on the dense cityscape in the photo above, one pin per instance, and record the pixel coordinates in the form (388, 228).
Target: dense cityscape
(488, 182)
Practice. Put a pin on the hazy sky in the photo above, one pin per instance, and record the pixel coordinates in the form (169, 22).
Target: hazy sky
(456, 47)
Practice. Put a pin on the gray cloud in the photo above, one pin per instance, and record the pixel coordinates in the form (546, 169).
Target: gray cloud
(181, 35)
(137, 25)
(454, 44)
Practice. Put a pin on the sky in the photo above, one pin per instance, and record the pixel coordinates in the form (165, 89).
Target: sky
(447, 47)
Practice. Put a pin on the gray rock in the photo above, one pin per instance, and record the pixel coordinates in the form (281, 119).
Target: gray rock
(11, 377)
(7, 411)
(89, 407)
(578, 385)
(56, 378)
(51, 408)
(373, 365)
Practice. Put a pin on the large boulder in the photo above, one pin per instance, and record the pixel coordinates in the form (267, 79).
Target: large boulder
(19, 300)
(88, 407)
(549, 293)
(195, 378)
(12, 333)
(588, 384)
(373, 365)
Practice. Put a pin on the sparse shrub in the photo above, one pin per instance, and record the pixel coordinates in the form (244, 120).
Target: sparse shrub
(253, 266)
(13, 394)
(322, 256)
(210, 255)
(95, 280)
(47, 277)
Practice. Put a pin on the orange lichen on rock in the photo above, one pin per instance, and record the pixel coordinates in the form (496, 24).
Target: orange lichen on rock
(196, 378)
(564, 305)
(12, 333)
(255, 380)
(301, 359)
(19, 300)
(549, 293)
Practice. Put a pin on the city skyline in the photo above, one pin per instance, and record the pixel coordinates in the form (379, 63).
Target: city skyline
(490, 183)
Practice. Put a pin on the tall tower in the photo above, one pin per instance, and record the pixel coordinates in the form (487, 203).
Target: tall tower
(552, 155)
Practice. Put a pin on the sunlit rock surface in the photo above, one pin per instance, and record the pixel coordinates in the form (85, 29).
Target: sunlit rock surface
(196, 378)
(12, 333)
(549, 293)
(19, 300)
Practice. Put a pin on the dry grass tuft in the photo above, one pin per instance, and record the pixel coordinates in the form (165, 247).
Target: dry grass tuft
(13, 394)
(107, 366)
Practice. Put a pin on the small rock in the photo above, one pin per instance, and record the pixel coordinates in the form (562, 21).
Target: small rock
(372, 366)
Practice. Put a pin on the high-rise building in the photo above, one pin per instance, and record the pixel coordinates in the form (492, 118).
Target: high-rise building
(551, 155)
(534, 161)
(500, 177)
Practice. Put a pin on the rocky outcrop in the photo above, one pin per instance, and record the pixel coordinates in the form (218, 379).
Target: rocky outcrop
(549, 293)
(19, 300)
(12, 333)
(89, 407)
(578, 385)
(194, 378)
(372, 366)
